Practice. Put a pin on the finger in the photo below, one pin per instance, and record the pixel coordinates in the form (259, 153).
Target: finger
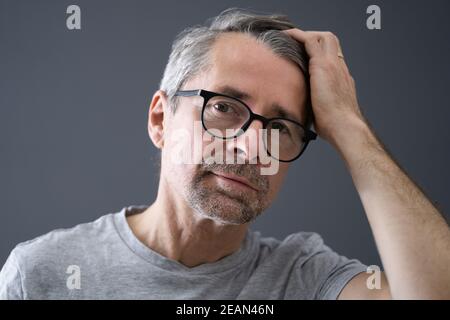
(317, 42)
(296, 33)
(311, 40)
(340, 53)
(329, 43)
(331, 46)
(338, 50)
(338, 45)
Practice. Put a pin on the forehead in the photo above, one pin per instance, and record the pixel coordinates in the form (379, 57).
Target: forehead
(238, 60)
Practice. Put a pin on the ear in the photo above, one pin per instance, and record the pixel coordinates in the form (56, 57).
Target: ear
(156, 118)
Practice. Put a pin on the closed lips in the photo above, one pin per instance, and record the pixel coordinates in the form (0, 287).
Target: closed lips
(235, 178)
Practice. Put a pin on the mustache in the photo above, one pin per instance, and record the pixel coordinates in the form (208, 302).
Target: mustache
(248, 171)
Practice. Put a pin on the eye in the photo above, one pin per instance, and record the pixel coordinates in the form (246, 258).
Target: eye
(222, 107)
(280, 126)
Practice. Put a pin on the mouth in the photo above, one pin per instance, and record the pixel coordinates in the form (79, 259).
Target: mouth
(235, 180)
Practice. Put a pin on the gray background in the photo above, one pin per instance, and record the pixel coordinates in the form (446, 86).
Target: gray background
(73, 111)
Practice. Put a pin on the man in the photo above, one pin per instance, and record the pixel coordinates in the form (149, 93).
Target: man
(243, 73)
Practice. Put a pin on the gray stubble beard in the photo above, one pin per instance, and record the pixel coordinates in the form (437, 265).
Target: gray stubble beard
(221, 205)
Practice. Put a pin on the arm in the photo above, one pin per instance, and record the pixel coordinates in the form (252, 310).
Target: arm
(412, 237)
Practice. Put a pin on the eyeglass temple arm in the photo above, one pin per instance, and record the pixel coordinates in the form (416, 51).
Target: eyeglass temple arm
(187, 93)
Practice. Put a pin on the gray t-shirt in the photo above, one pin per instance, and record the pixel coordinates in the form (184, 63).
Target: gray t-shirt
(104, 260)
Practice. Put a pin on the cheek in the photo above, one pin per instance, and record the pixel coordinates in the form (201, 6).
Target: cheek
(177, 162)
(276, 180)
(178, 142)
(179, 176)
(183, 136)
(212, 148)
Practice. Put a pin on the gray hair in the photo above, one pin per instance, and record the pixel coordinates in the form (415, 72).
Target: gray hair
(191, 47)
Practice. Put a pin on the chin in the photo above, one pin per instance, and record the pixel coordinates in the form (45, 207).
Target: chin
(226, 212)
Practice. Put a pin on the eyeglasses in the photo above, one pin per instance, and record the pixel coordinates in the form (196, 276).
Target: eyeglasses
(227, 117)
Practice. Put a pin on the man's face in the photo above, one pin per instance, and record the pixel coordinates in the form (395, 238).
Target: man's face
(239, 62)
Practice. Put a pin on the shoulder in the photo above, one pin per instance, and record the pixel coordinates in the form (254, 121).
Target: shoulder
(47, 257)
(308, 267)
(61, 241)
(300, 248)
(36, 265)
(298, 244)
(307, 250)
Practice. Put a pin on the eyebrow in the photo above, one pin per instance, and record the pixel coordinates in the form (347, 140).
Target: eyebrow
(241, 95)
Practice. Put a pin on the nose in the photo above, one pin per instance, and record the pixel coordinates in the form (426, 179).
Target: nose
(248, 144)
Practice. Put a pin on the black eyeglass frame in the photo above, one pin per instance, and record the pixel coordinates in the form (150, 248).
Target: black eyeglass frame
(309, 134)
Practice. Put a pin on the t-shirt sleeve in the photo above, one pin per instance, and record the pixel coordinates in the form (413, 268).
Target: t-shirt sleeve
(337, 270)
(320, 272)
(11, 280)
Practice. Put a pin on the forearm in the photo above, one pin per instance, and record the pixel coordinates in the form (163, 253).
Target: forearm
(412, 237)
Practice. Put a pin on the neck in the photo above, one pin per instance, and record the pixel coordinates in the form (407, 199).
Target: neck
(171, 228)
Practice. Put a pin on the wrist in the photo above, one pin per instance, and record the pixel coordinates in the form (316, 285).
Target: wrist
(353, 138)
